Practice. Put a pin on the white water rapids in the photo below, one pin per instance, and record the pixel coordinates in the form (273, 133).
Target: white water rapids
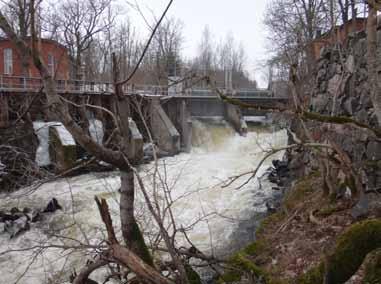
(195, 178)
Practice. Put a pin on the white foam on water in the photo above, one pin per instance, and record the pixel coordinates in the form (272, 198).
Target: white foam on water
(41, 129)
(194, 178)
(96, 130)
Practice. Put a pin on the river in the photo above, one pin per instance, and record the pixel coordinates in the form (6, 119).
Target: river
(194, 180)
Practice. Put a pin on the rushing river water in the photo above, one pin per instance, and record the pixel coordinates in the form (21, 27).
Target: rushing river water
(194, 179)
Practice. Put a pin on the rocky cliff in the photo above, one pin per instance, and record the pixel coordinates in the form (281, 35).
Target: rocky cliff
(341, 89)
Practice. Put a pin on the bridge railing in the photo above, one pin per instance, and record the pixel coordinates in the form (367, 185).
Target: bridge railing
(158, 90)
(19, 83)
(233, 93)
(253, 93)
(30, 84)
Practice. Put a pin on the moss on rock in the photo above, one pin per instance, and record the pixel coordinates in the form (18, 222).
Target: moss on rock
(351, 250)
(313, 276)
(373, 268)
(254, 248)
(352, 247)
(303, 187)
(240, 265)
(268, 222)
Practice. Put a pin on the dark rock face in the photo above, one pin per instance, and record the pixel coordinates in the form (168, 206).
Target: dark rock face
(52, 206)
(341, 88)
(16, 227)
(280, 173)
(361, 209)
(373, 151)
(4, 217)
(272, 206)
(16, 221)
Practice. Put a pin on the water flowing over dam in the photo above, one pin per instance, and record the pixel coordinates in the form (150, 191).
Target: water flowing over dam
(211, 212)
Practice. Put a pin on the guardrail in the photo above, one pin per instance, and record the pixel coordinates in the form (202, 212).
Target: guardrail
(29, 84)
(248, 93)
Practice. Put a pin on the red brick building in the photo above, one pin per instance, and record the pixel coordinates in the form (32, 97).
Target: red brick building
(18, 78)
(54, 55)
(339, 35)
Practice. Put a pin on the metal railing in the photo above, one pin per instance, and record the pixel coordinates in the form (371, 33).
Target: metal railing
(30, 84)
(241, 93)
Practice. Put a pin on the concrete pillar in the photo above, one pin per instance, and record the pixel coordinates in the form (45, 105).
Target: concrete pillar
(135, 143)
(163, 131)
(234, 116)
(185, 123)
(62, 148)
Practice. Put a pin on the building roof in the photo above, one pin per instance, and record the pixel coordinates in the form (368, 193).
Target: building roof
(45, 40)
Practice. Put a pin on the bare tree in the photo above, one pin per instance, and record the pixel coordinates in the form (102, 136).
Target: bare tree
(127, 47)
(205, 60)
(164, 55)
(17, 12)
(77, 22)
(224, 62)
(294, 24)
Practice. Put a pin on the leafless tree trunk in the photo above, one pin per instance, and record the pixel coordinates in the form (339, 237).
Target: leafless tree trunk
(372, 59)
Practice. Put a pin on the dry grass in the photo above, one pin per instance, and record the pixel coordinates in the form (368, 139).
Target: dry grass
(296, 238)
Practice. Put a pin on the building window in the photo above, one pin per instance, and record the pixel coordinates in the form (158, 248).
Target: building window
(51, 64)
(8, 61)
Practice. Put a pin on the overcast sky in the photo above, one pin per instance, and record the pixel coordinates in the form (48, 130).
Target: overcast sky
(243, 18)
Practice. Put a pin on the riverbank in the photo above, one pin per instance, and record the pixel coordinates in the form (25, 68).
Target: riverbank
(306, 234)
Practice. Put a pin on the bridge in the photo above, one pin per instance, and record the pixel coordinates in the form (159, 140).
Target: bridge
(205, 102)
(202, 102)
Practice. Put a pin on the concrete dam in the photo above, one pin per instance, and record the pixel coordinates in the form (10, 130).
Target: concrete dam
(168, 116)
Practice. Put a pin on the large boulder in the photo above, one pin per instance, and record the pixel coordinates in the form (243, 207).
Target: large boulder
(16, 221)
(52, 206)
(16, 227)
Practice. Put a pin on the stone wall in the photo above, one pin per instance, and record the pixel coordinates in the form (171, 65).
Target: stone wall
(341, 88)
